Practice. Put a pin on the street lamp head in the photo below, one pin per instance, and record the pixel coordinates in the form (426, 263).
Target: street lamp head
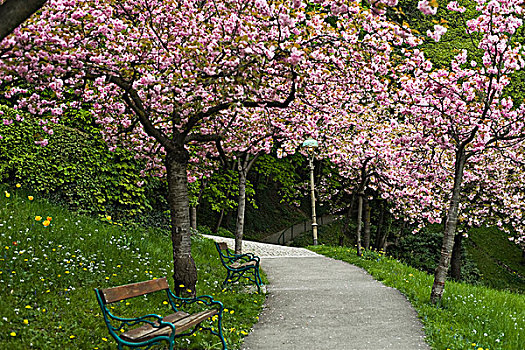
(310, 144)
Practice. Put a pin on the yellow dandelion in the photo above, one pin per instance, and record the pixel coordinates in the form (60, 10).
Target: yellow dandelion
(30, 198)
(108, 217)
(46, 223)
(7, 194)
(165, 302)
(38, 218)
(181, 285)
(231, 312)
(13, 334)
(26, 321)
(71, 336)
(104, 339)
(28, 307)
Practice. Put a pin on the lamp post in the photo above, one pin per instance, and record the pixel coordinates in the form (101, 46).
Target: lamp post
(310, 145)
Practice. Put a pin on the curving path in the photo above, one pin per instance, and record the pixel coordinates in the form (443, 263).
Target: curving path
(316, 302)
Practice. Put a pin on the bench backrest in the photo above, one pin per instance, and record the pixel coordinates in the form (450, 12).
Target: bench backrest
(111, 295)
(222, 246)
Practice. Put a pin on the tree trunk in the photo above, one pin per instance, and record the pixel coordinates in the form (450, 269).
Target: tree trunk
(359, 222)
(219, 222)
(241, 207)
(244, 167)
(348, 219)
(380, 223)
(366, 229)
(384, 240)
(193, 216)
(184, 269)
(455, 263)
(440, 274)
(15, 12)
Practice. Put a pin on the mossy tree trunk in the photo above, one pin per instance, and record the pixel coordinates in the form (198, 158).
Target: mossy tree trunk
(243, 167)
(184, 269)
(366, 228)
(380, 229)
(440, 274)
(455, 263)
(359, 221)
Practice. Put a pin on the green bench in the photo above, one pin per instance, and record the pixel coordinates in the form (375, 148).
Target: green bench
(147, 330)
(239, 265)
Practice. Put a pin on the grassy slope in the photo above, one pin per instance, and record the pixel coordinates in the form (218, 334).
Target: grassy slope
(488, 248)
(498, 260)
(48, 274)
(471, 317)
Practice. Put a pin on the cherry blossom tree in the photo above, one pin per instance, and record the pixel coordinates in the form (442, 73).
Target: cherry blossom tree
(462, 109)
(154, 73)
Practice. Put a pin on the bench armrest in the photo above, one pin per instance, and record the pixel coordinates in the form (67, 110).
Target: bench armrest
(201, 299)
(247, 257)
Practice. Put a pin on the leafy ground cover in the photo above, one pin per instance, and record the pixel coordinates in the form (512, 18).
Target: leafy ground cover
(470, 317)
(51, 259)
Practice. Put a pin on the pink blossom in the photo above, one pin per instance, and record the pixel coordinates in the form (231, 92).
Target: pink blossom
(438, 32)
(425, 7)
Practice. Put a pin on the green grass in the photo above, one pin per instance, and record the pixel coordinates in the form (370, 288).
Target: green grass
(498, 260)
(470, 317)
(48, 274)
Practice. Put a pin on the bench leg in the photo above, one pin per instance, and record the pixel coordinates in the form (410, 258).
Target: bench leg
(219, 324)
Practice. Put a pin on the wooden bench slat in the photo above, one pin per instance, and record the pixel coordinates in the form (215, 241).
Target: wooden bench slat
(143, 331)
(237, 265)
(182, 325)
(127, 291)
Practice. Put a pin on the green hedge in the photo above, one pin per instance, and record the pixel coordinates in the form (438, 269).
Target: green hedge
(75, 168)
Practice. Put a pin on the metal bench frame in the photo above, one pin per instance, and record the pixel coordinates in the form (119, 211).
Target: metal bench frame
(239, 265)
(158, 330)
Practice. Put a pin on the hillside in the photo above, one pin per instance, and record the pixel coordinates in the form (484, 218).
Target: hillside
(53, 258)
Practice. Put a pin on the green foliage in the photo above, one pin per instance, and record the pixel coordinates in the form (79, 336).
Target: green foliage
(75, 168)
(48, 274)
(470, 317)
(222, 191)
(419, 250)
(282, 171)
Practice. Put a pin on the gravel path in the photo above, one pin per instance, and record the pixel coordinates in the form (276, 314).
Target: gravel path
(266, 250)
(315, 302)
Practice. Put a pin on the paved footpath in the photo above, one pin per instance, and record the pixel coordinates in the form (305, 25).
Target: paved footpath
(316, 302)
